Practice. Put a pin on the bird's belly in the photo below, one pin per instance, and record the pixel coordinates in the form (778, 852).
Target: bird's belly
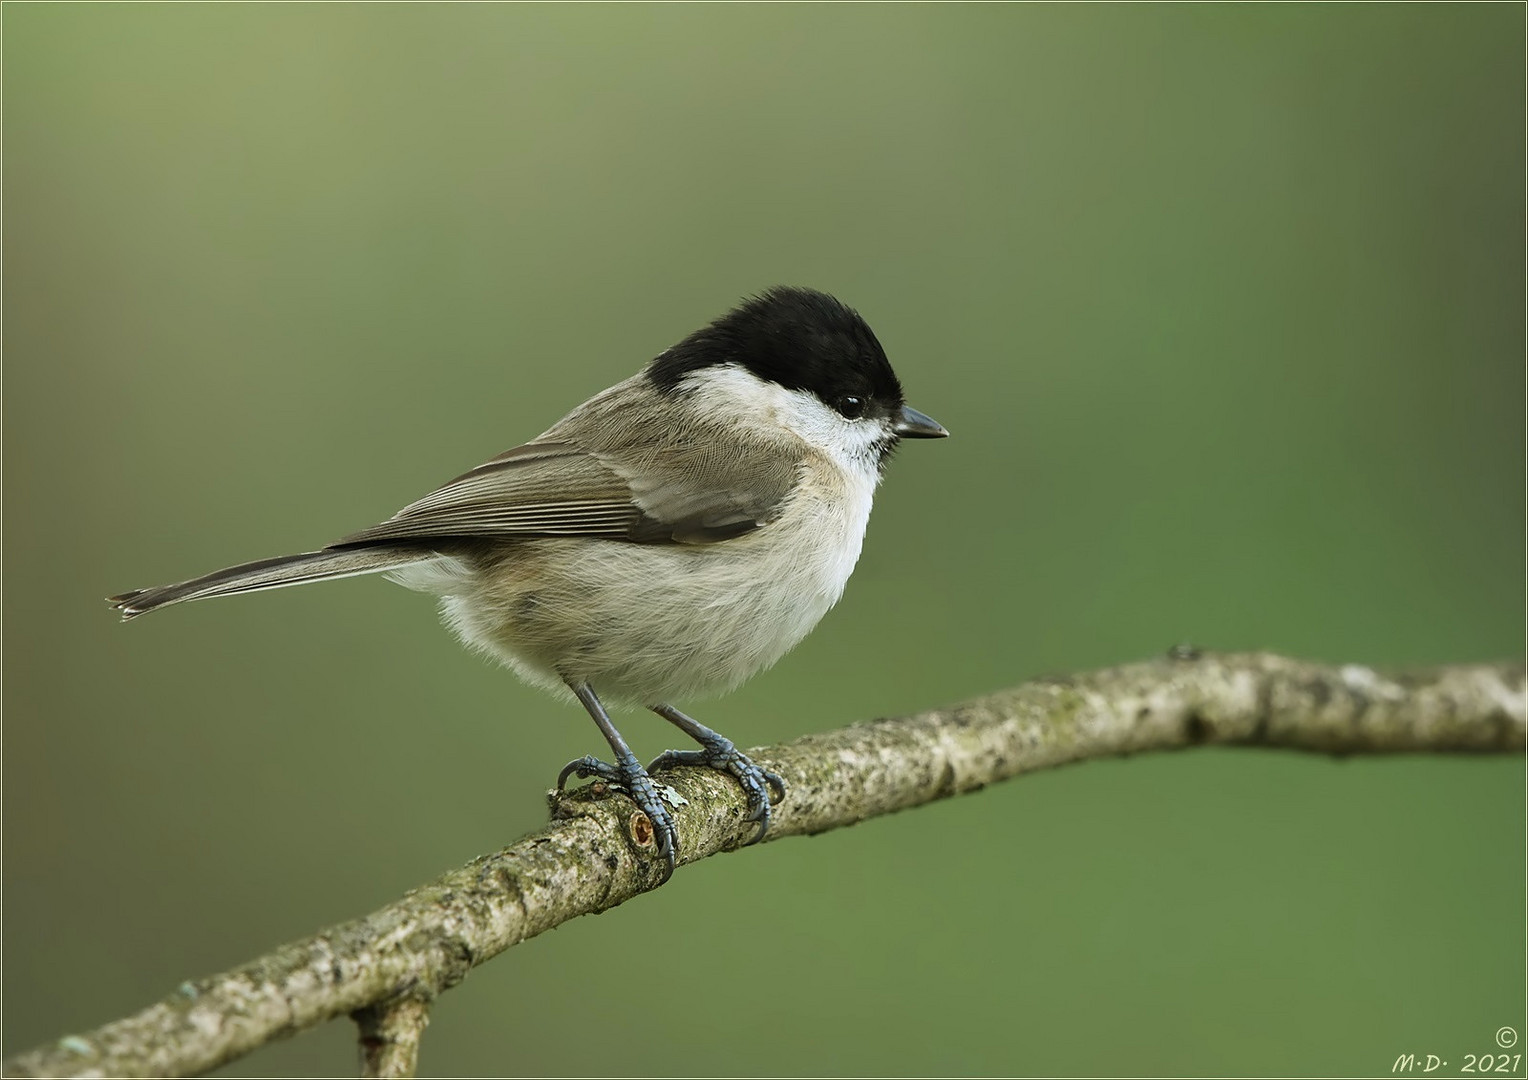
(646, 624)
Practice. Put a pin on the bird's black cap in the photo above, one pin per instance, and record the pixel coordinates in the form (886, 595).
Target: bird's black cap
(799, 338)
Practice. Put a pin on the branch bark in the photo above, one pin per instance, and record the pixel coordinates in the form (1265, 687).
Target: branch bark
(390, 1034)
(597, 853)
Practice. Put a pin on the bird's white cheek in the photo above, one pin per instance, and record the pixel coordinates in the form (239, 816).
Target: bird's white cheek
(769, 408)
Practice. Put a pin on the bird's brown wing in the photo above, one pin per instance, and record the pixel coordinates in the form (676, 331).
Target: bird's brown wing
(669, 491)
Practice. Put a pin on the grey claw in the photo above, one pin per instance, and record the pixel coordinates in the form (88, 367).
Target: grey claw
(758, 784)
(668, 848)
(630, 776)
(588, 766)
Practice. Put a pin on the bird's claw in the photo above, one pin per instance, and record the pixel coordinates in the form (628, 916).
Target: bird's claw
(762, 787)
(630, 776)
(588, 766)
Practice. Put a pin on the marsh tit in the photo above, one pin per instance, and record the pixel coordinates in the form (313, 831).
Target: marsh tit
(670, 537)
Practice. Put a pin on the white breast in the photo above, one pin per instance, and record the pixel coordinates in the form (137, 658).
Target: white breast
(648, 624)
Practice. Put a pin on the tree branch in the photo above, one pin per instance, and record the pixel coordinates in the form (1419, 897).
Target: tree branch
(598, 853)
(390, 1034)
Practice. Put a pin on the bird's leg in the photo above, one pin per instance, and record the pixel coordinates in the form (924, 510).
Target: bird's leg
(627, 771)
(717, 752)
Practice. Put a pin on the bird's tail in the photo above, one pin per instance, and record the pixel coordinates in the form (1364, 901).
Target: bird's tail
(271, 574)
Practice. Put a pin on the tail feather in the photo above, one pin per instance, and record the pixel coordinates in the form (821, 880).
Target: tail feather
(269, 574)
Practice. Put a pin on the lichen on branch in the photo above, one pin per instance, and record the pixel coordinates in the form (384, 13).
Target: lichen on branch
(386, 967)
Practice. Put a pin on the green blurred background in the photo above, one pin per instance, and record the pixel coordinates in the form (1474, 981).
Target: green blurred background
(1222, 305)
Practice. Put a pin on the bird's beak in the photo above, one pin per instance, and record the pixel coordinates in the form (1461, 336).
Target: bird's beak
(912, 424)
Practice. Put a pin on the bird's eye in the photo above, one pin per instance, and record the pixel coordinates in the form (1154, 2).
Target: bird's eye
(851, 406)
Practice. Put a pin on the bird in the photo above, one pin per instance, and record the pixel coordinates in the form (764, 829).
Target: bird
(669, 538)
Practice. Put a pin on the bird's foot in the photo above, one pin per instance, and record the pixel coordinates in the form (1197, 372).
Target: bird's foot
(627, 773)
(762, 787)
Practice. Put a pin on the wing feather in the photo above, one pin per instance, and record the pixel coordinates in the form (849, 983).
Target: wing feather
(607, 471)
(539, 489)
